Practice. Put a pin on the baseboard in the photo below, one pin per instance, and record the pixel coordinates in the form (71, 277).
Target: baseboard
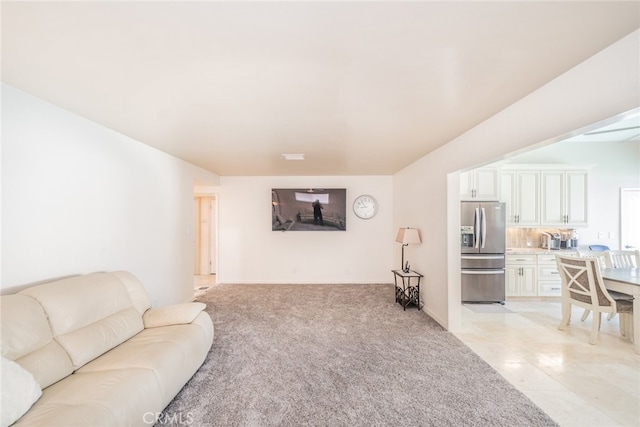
(435, 317)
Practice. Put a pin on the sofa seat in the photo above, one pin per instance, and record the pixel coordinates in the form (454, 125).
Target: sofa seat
(107, 398)
(171, 353)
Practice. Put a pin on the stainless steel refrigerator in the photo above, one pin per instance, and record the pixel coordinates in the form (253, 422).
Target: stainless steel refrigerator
(482, 242)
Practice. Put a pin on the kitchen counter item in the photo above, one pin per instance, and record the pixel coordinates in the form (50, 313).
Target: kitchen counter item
(551, 240)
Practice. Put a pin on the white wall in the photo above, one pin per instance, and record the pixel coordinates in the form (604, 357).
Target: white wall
(78, 197)
(249, 252)
(601, 87)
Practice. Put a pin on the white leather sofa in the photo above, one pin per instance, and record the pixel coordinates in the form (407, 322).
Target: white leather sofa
(91, 351)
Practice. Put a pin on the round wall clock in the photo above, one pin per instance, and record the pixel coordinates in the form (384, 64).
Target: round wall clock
(365, 206)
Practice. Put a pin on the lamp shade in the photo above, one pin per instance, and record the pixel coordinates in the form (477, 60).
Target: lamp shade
(408, 236)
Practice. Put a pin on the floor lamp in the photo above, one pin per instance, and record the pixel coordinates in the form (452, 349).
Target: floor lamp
(407, 236)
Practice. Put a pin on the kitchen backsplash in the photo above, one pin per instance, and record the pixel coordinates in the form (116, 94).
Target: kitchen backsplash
(528, 237)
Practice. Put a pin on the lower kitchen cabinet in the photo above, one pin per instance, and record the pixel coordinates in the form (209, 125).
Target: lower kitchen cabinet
(531, 275)
(520, 276)
(549, 283)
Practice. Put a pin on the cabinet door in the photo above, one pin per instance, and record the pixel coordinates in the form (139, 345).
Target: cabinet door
(528, 196)
(479, 184)
(486, 184)
(576, 198)
(553, 197)
(520, 190)
(466, 185)
(508, 195)
(528, 283)
(511, 280)
(520, 280)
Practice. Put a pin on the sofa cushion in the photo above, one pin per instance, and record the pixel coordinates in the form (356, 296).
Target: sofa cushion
(126, 397)
(27, 339)
(172, 315)
(48, 364)
(172, 353)
(19, 391)
(89, 314)
(85, 344)
(137, 292)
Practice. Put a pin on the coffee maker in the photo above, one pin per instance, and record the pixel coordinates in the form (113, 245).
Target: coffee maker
(551, 241)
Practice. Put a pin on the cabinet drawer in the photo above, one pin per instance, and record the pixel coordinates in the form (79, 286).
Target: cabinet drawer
(546, 259)
(520, 259)
(549, 289)
(548, 272)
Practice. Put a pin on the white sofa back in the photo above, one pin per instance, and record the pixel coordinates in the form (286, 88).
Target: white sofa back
(27, 339)
(87, 315)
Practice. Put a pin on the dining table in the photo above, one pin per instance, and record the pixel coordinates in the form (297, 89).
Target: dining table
(626, 280)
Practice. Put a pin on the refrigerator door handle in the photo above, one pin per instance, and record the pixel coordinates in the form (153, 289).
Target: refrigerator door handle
(476, 228)
(481, 256)
(483, 231)
(482, 271)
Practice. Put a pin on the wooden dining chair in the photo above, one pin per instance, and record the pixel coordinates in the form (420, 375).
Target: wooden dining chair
(583, 286)
(622, 259)
(601, 256)
(607, 260)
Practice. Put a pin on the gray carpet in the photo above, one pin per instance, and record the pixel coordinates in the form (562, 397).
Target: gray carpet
(339, 355)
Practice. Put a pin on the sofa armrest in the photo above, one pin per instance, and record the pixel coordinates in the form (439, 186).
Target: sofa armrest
(176, 314)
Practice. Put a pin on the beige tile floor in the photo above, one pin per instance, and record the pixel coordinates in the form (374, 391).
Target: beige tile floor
(576, 383)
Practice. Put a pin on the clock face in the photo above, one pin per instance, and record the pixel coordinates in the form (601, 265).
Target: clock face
(365, 206)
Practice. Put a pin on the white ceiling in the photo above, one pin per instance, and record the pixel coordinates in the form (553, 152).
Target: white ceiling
(625, 129)
(362, 88)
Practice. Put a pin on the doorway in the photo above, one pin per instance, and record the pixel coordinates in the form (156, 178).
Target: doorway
(205, 235)
(205, 243)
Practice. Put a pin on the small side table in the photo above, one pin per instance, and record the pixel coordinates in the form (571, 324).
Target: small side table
(407, 290)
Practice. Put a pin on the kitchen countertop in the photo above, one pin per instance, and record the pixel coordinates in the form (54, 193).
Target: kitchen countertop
(537, 251)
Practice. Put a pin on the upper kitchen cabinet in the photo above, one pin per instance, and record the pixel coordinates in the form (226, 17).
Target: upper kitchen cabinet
(479, 184)
(520, 190)
(564, 198)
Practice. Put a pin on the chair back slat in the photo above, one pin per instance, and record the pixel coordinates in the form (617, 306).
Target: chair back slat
(622, 259)
(601, 256)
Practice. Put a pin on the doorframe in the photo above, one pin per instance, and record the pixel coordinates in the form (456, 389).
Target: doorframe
(209, 194)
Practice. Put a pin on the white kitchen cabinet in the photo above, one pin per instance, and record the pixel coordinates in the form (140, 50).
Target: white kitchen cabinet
(564, 198)
(549, 282)
(479, 184)
(520, 190)
(520, 276)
